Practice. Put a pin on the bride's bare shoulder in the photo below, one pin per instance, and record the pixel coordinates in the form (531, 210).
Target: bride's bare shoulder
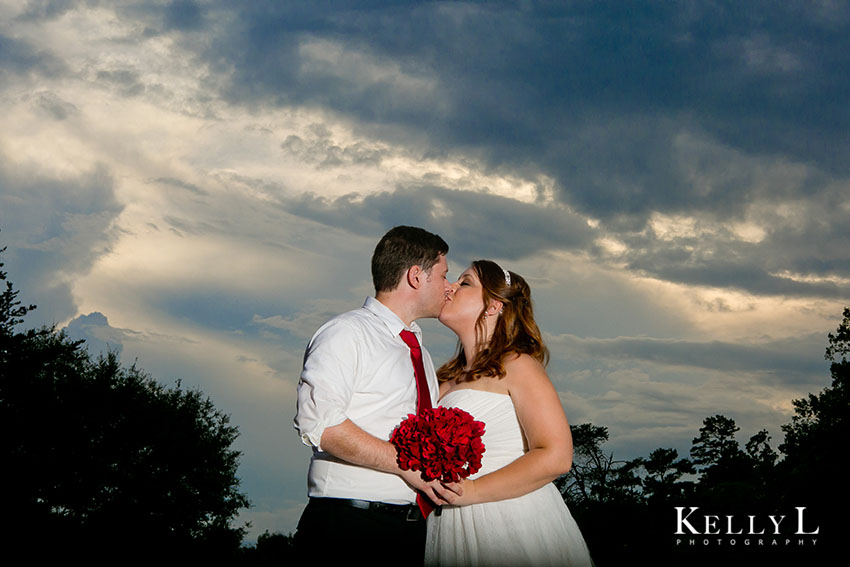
(523, 369)
(522, 363)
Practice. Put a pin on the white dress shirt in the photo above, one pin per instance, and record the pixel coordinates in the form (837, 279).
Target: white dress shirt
(357, 367)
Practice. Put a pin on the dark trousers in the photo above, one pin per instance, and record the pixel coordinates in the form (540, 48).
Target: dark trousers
(333, 530)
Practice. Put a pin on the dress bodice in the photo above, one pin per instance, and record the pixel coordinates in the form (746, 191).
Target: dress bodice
(503, 439)
(535, 529)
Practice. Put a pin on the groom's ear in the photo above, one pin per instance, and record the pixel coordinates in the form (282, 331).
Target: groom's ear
(414, 276)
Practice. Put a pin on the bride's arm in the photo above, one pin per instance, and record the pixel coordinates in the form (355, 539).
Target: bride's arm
(550, 443)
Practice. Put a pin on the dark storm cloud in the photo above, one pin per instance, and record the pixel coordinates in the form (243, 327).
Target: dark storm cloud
(806, 254)
(632, 108)
(183, 15)
(786, 360)
(324, 153)
(125, 81)
(738, 275)
(474, 224)
(37, 10)
(55, 106)
(180, 184)
(20, 58)
(557, 85)
(99, 335)
(53, 228)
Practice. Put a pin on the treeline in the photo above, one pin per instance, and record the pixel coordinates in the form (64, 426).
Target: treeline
(634, 508)
(103, 462)
(100, 461)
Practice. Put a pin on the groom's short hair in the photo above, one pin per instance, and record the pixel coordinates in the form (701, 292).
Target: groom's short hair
(401, 248)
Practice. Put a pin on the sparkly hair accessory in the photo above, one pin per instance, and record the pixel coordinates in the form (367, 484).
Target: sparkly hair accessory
(507, 277)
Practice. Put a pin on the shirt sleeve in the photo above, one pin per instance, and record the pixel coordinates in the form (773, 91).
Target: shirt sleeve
(327, 380)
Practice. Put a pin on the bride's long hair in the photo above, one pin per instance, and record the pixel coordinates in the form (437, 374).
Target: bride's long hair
(516, 332)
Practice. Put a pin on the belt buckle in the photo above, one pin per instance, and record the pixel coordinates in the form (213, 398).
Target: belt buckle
(413, 514)
(362, 504)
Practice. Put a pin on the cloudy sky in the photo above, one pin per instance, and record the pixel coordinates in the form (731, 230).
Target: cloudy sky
(201, 184)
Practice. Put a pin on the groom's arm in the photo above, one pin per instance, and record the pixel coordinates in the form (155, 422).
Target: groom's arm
(324, 391)
(348, 442)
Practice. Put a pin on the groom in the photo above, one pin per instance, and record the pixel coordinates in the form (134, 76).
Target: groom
(357, 384)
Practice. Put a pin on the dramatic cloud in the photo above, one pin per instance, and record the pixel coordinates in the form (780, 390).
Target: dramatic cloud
(475, 223)
(785, 359)
(19, 60)
(731, 112)
(200, 184)
(54, 228)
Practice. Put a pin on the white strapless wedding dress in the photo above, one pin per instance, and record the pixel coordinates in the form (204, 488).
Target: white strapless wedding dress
(534, 529)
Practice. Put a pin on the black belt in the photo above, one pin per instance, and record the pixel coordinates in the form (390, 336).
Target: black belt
(407, 512)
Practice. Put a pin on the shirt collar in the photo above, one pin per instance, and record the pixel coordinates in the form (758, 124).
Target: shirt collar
(392, 321)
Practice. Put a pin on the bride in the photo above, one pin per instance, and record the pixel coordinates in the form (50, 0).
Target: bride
(510, 513)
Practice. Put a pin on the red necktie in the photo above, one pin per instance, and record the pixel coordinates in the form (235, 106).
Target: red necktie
(423, 394)
(423, 400)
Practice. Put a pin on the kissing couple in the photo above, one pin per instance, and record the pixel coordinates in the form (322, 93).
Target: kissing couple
(366, 370)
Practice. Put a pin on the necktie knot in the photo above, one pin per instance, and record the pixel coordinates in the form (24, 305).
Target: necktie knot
(410, 339)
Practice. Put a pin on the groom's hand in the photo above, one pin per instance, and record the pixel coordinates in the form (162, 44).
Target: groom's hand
(450, 491)
(439, 493)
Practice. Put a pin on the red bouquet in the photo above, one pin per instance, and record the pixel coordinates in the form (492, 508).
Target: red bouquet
(443, 443)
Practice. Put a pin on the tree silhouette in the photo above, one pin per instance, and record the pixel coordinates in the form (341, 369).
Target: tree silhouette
(101, 459)
(11, 310)
(271, 549)
(719, 459)
(604, 495)
(822, 420)
(817, 434)
(839, 343)
(624, 508)
(731, 475)
(596, 476)
(664, 472)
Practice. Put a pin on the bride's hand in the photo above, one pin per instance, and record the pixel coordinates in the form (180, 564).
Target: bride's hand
(439, 493)
(466, 495)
